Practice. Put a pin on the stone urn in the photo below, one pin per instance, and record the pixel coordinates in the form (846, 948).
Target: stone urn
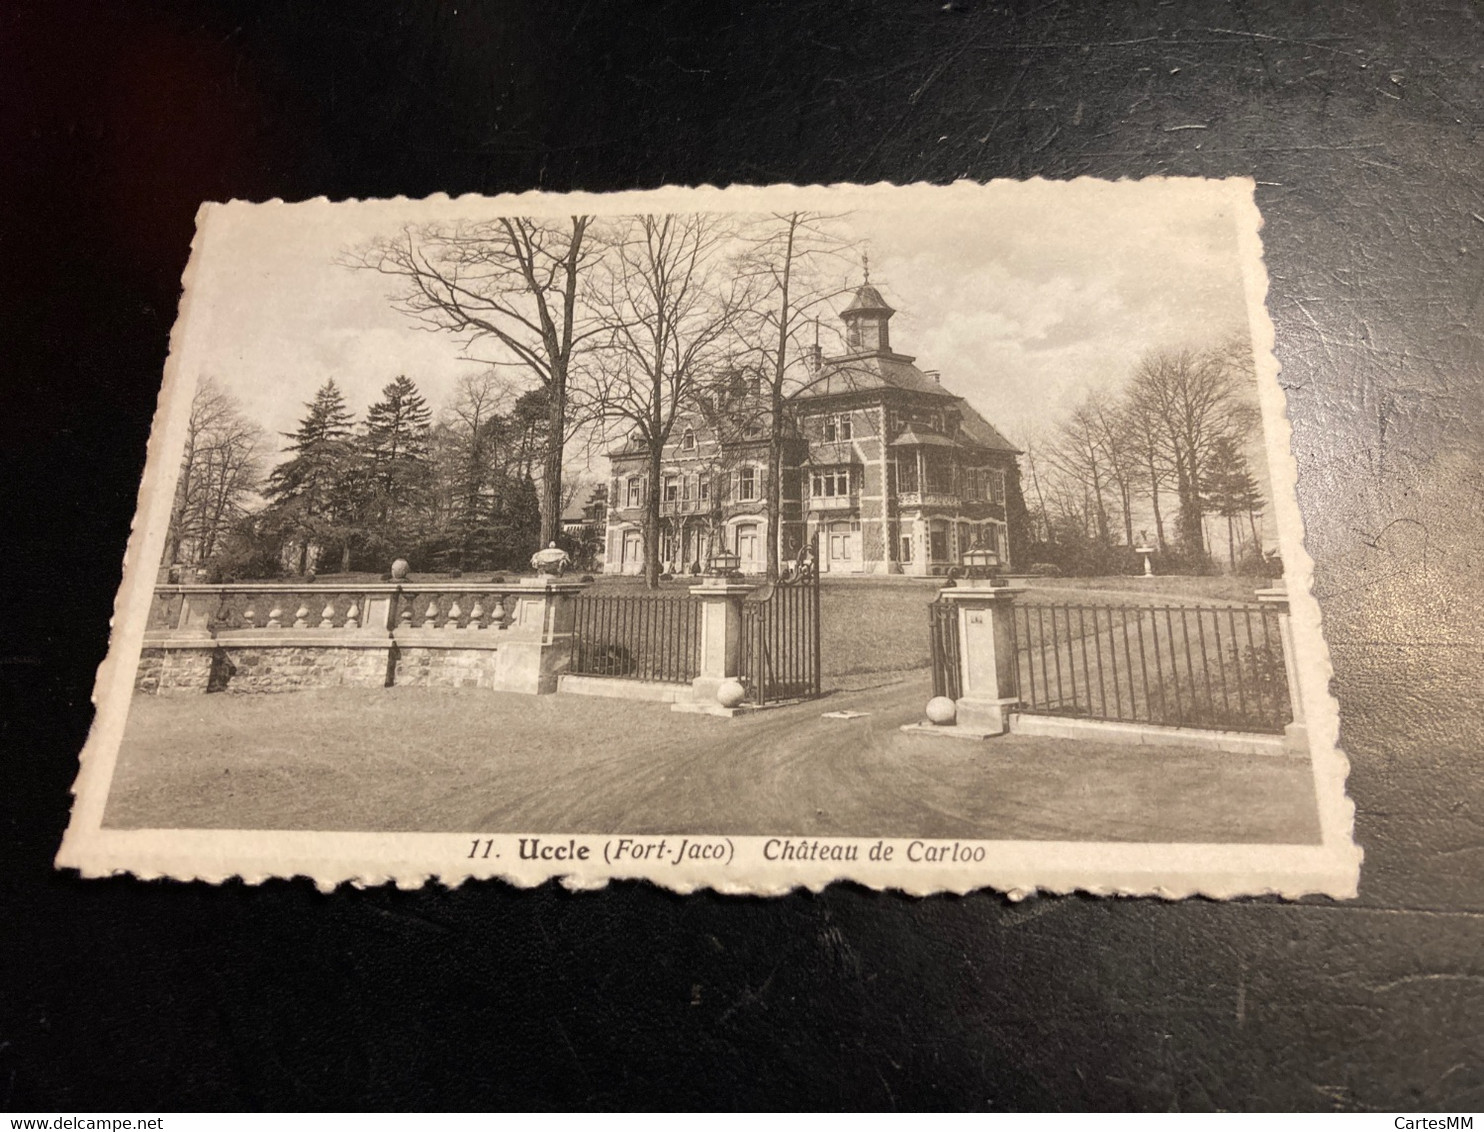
(399, 570)
(551, 561)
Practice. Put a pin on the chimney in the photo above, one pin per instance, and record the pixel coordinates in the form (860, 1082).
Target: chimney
(816, 358)
(936, 375)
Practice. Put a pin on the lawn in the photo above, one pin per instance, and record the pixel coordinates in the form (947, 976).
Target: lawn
(464, 759)
(1173, 589)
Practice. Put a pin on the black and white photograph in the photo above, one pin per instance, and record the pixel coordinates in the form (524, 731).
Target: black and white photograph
(771, 557)
(931, 537)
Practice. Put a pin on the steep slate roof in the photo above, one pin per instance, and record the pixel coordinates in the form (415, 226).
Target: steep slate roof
(976, 430)
(865, 372)
(867, 298)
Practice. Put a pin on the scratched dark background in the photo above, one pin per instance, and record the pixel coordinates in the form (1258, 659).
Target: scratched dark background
(1362, 124)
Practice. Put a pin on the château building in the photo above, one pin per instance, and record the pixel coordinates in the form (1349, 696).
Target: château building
(895, 473)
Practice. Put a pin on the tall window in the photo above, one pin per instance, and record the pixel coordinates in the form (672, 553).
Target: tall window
(997, 485)
(938, 541)
(672, 489)
(633, 498)
(747, 483)
(906, 548)
(829, 482)
(938, 473)
(688, 440)
(703, 487)
(907, 473)
(687, 487)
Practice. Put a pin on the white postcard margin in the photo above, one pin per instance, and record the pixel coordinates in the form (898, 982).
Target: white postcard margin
(733, 865)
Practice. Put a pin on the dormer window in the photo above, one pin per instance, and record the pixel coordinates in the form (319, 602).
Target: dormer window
(688, 440)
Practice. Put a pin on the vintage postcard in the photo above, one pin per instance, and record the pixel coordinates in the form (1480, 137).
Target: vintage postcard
(930, 538)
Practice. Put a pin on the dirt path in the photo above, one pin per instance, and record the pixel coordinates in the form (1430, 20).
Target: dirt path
(470, 760)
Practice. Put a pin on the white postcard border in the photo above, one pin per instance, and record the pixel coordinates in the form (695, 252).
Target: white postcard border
(1018, 868)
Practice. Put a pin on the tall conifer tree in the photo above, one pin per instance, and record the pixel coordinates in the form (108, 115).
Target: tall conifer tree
(394, 450)
(307, 491)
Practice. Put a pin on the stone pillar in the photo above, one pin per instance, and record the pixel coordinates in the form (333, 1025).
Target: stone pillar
(986, 656)
(1297, 732)
(536, 643)
(721, 643)
(198, 606)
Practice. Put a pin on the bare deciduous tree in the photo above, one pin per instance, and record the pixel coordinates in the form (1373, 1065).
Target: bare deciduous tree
(221, 470)
(784, 260)
(1194, 397)
(515, 283)
(669, 305)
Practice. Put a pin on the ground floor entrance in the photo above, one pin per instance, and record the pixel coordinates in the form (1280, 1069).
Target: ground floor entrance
(842, 547)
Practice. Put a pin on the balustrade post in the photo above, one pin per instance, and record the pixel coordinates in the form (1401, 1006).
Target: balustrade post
(536, 643)
(1276, 599)
(197, 612)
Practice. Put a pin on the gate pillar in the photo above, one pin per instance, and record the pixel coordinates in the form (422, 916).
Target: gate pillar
(535, 639)
(1297, 732)
(986, 656)
(721, 643)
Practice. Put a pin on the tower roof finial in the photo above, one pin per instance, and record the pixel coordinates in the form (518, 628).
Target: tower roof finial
(866, 265)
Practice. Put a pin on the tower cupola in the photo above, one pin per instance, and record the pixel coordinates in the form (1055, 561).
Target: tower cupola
(867, 319)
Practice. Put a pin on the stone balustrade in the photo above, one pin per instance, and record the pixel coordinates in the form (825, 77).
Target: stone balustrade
(513, 636)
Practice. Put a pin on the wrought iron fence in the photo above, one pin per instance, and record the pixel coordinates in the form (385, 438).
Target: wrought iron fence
(1181, 666)
(637, 637)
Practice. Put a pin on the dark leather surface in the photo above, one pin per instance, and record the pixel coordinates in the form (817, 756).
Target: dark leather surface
(1362, 124)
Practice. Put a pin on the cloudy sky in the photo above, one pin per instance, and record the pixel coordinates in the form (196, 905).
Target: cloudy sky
(1023, 295)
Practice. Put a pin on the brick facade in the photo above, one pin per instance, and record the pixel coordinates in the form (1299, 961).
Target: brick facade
(888, 468)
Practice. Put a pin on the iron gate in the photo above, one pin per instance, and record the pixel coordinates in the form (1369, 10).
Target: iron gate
(780, 634)
(943, 639)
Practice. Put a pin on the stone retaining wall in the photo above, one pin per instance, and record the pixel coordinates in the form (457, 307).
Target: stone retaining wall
(280, 668)
(424, 667)
(163, 671)
(195, 667)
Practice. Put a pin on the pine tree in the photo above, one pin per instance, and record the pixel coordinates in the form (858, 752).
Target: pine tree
(1229, 488)
(394, 453)
(307, 492)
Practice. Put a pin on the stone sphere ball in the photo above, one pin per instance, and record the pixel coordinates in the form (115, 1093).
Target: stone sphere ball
(941, 710)
(731, 693)
(399, 569)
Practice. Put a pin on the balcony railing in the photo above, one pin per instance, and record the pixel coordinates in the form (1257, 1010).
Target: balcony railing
(684, 506)
(928, 499)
